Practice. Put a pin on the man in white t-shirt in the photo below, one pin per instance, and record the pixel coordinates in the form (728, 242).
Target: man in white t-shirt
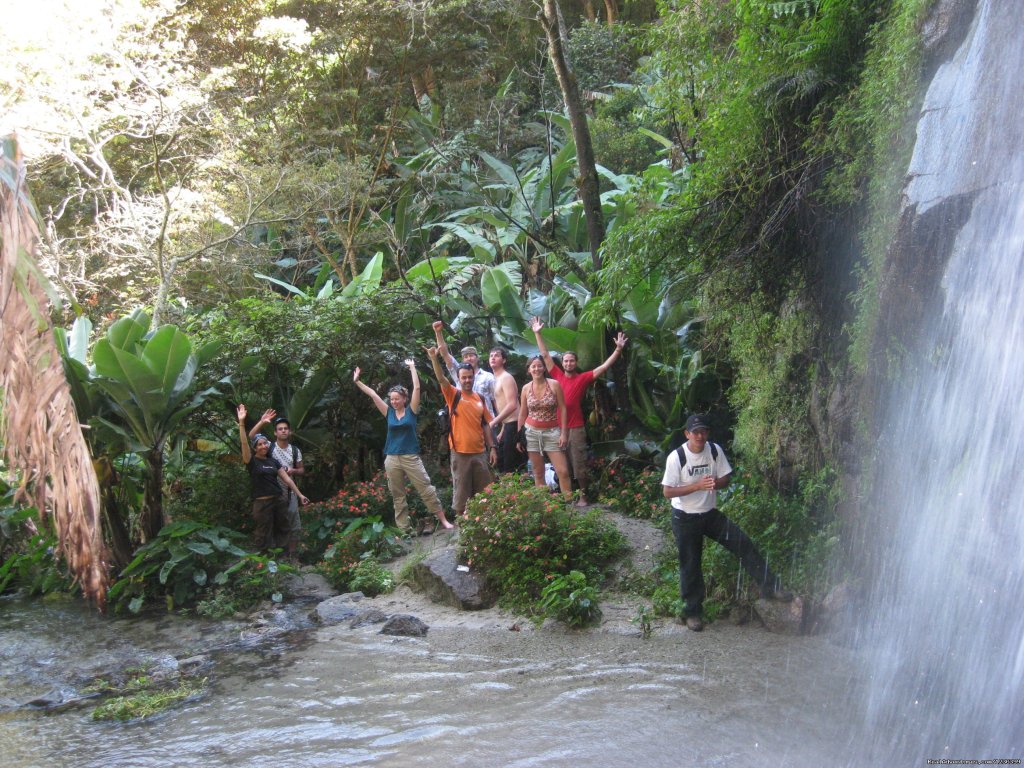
(693, 485)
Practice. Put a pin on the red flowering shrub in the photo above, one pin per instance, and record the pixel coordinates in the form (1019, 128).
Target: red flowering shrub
(522, 536)
(634, 492)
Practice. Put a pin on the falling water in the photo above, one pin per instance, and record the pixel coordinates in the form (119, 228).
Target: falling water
(946, 638)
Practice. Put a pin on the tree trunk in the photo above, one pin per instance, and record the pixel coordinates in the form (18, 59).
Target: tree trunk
(152, 518)
(590, 190)
(611, 8)
(588, 10)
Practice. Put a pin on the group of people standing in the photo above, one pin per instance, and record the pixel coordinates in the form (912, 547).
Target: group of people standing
(495, 424)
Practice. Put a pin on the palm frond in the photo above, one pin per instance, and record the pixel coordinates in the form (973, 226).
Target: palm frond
(39, 428)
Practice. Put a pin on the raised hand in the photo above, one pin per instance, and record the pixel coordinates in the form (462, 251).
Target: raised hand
(410, 362)
(621, 339)
(355, 374)
(536, 324)
(242, 412)
(437, 325)
(431, 351)
(268, 415)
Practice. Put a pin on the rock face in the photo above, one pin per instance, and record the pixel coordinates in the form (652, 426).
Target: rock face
(405, 625)
(337, 609)
(439, 578)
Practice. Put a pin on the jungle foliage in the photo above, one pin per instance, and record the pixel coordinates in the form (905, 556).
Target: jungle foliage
(298, 188)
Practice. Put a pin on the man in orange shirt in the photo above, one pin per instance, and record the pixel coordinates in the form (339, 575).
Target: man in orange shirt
(471, 439)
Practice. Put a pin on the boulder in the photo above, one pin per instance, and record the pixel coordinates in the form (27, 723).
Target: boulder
(405, 625)
(335, 610)
(369, 616)
(439, 577)
(780, 617)
(308, 586)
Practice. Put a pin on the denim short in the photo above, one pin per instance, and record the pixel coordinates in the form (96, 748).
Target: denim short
(543, 440)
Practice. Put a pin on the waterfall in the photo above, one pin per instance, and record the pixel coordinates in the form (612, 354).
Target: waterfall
(944, 634)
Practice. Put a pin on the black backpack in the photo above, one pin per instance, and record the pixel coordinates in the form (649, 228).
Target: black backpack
(683, 458)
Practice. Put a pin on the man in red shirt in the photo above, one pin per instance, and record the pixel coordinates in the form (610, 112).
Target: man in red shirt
(574, 386)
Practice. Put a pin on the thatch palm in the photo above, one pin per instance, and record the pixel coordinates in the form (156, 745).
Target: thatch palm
(39, 429)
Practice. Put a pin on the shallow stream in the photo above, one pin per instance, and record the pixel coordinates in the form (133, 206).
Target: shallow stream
(334, 696)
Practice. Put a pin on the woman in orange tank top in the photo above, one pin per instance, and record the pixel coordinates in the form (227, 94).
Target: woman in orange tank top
(542, 412)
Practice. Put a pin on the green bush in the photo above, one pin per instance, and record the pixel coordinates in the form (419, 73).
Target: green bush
(212, 489)
(571, 599)
(189, 562)
(362, 538)
(371, 578)
(522, 536)
(339, 562)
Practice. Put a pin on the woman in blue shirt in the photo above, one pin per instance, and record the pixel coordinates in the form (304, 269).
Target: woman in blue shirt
(402, 462)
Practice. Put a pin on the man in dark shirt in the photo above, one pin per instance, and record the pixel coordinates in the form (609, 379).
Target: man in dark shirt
(269, 506)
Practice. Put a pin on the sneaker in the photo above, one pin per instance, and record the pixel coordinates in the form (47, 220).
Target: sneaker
(694, 623)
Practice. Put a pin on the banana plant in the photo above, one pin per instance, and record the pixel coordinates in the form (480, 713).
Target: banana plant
(668, 375)
(147, 378)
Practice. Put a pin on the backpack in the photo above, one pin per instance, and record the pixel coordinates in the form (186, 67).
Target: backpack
(444, 417)
(683, 457)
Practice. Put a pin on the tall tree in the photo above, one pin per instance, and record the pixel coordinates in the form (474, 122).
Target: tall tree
(38, 426)
(590, 190)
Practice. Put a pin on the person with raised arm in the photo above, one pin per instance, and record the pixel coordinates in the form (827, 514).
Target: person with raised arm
(269, 505)
(402, 462)
(288, 456)
(543, 418)
(574, 387)
(483, 381)
(470, 437)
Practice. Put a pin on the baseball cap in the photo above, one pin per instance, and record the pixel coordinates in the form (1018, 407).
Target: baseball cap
(697, 421)
(470, 351)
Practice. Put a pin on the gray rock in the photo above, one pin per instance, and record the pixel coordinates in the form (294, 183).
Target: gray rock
(308, 586)
(944, 29)
(783, 618)
(48, 700)
(193, 664)
(437, 575)
(369, 616)
(405, 625)
(337, 609)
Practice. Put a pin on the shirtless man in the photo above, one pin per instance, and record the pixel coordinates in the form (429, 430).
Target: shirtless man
(506, 396)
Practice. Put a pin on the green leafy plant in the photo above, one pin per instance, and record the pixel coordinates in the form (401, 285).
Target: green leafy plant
(521, 536)
(569, 598)
(644, 618)
(189, 561)
(371, 578)
(33, 565)
(147, 379)
(361, 539)
(145, 703)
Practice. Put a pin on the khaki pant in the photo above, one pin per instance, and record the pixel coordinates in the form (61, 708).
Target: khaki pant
(576, 450)
(470, 475)
(408, 467)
